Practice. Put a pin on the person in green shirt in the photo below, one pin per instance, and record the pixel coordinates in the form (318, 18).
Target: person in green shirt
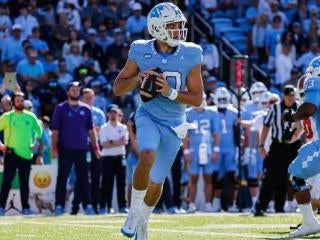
(20, 129)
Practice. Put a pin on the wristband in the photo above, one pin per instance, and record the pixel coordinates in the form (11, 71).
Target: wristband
(173, 94)
(216, 149)
(261, 145)
(186, 151)
(54, 148)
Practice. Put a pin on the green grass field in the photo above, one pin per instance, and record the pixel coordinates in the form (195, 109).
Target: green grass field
(162, 227)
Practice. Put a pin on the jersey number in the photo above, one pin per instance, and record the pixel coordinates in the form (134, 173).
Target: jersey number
(176, 78)
(307, 128)
(203, 126)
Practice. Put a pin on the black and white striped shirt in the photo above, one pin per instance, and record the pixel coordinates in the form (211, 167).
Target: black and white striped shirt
(273, 120)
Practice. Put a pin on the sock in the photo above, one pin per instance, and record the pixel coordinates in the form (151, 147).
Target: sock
(254, 200)
(315, 212)
(307, 213)
(137, 197)
(146, 211)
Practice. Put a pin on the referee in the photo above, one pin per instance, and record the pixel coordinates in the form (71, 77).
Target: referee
(280, 155)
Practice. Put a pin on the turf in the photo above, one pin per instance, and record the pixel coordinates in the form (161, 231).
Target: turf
(162, 227)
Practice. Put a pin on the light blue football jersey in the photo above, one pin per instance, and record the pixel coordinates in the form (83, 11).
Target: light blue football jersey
(227, 121)
(175, 67)
(207, 124)
(251, 110)
(312, 95)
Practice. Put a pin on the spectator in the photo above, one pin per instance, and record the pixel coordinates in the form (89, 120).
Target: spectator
(112, 70)
(5, 21)
(284, 65)
(18, 127)
(86, 25)
(111, 10)
(100, 100)
(301, 13)
(64, 78)
(74, 20)
(37, 43)
(26, 21)
(259, 37)
(103, 39)
(286, 39)
(252, 12)
(94, 11)
(91, 63)
(12, 46)
(289, 7)
(31, 69)
(49, 63)
(116, 47)
(61, 32)
(273, 37)
(137, 24)
(72, 125)
(303, 61)
(98, 119)
(210, 54)
(74, 59)
(312, 18)
(73, 37)
(31, 94)
(95, 50)
(276, 12)
(46, 138)
(313, 35)
(298, 38)
(114, 137)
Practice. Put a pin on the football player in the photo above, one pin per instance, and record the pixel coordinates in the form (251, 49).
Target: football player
(161, 123)
(306, 164)
(226, 165)
(251, 139)
(201, 149)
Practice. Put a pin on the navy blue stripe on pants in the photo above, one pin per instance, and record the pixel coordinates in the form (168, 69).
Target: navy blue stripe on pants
(68, 157)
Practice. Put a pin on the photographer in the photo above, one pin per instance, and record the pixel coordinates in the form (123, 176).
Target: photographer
(20, 129)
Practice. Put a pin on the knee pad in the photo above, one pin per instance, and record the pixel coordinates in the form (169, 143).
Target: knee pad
(298, 184)
(253, 182)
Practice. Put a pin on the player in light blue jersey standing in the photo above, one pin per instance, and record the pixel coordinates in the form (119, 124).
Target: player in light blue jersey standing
(201, 150)
(161, 122)
(307, 163)
(226, 165)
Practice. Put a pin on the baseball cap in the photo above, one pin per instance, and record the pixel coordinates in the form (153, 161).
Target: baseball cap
(27, 104)
(92, 31)
(289, 90)
(117, 31)
(136, 6)
(73, 84)
(113, 107)
(16, 27)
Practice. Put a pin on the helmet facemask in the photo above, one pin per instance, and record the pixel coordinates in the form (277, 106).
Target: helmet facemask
(175, 36)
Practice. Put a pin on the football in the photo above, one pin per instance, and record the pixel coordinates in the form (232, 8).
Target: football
(148, 87)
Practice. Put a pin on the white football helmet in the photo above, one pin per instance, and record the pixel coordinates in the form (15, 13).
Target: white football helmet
(222, 97)
(160, 16)
(265, 100)
(314, 67)
(256, 90)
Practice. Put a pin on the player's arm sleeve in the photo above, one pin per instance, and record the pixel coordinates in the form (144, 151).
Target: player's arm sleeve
(269, 118)
(133, 52)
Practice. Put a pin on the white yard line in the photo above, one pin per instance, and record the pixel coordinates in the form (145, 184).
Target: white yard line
(187, 232)
(241, 226)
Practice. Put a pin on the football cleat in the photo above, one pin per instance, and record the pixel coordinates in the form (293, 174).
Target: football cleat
(142, 230)
(130, 226)
(305, 230)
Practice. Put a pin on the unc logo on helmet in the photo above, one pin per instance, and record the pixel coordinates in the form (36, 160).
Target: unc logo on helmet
(160, 16)
(314, 67)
